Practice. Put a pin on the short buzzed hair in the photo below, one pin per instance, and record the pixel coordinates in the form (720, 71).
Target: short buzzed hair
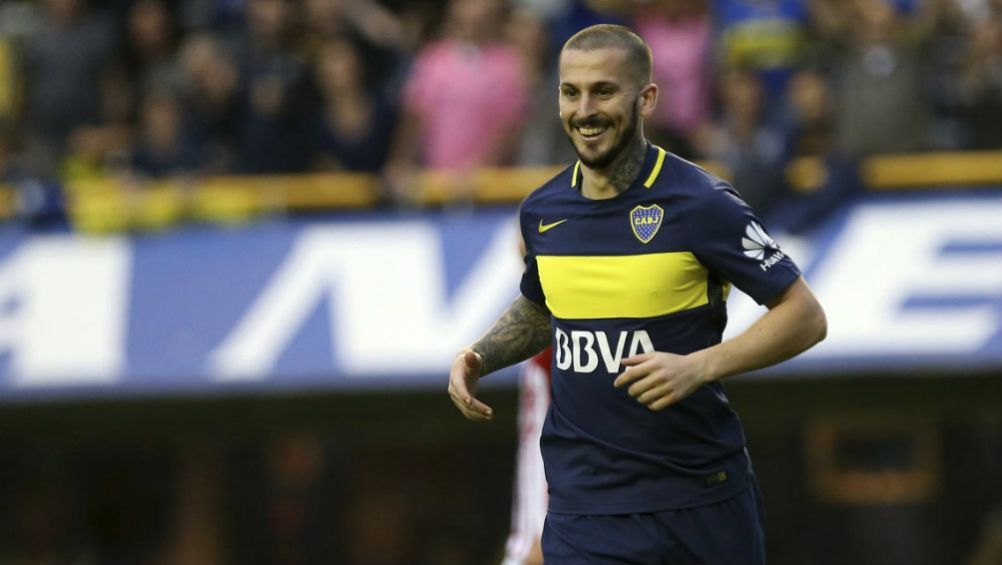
(605, 36)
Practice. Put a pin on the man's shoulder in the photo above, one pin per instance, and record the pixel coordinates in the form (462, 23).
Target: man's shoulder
(688, 176)
(557, 186)
(688, 182)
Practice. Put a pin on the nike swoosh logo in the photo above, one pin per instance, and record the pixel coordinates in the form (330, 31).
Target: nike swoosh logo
(543, 228)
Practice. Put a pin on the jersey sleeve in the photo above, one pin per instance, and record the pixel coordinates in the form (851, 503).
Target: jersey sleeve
(530, 285)
(730, 240)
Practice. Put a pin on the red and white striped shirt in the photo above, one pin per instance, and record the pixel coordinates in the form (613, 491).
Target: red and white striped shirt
(530, 499)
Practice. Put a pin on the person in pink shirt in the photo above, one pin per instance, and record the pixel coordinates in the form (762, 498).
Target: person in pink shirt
(465, 97)
(679, 33)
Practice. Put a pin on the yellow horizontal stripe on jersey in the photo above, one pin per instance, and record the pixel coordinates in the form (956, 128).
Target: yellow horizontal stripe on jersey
(622, 286)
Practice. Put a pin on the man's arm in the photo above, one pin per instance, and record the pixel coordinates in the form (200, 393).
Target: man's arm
(794, 323)
(521, 332)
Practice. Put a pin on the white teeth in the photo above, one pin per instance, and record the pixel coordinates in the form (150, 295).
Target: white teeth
(590, 132)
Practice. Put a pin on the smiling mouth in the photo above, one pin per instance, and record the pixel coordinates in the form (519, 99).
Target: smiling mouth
(591, 132)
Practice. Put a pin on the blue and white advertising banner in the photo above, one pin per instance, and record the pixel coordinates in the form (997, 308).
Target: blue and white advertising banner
(910, 284)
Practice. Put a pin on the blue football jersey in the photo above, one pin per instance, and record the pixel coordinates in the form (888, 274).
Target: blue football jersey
(647, 270)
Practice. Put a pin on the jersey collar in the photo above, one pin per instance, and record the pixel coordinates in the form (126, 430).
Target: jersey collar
(652, 172)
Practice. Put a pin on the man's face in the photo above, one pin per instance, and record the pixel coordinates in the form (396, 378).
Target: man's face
(599, 104)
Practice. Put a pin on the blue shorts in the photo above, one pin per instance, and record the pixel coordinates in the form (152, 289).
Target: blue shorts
(724, 533)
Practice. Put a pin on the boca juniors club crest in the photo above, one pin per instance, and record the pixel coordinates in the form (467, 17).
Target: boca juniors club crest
(646, 221)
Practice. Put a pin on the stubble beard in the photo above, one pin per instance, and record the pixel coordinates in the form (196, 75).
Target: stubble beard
(604, 160)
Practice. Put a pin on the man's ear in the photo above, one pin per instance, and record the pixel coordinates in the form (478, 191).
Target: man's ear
(648, 99)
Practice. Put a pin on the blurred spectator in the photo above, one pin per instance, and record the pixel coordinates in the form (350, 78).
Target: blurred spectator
(744, 139)
(679, 33)
(165, 146)
(542, 141)
(212, 99)
(979, 85)
(819, 178)
(63, 60)
(465, 98)
(355, 124)
(150, 45)
(85, 156)
(884, 106)
(379, 35)
(767, 36)
(274, 134)
(365, 21)
(101, 145)
(810, 116)
(268, 37)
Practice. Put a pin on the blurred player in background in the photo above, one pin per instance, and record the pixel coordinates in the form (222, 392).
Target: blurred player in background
(528, 509)
(630, 257)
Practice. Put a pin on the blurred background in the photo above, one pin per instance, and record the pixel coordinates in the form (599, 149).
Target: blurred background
(240, 241)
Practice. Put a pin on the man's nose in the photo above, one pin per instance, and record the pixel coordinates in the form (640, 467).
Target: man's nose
(586, 106)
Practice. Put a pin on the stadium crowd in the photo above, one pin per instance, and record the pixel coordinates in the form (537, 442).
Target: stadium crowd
(154, 88)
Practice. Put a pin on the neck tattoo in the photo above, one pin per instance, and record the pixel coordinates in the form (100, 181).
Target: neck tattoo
(628, 169)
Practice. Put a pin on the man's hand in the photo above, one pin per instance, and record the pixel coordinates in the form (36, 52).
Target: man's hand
(661, 379)
(466, 370)
(522, 331)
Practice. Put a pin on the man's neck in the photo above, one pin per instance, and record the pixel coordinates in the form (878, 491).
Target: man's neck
(601, 184)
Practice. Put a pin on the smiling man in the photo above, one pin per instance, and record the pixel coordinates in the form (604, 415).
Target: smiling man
(630, 256)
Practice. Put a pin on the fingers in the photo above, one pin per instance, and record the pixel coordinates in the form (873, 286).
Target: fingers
(654, 394)
(649, 387)
(470, 407)
(662, 403)
(655, 380)
(481, 411)
(637, 359)
(651, 391)
(643, 386)
(475, 411)
(457, 385)
(465, 371)
(630, 374)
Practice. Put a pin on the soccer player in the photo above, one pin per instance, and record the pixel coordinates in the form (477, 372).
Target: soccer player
(630, 256)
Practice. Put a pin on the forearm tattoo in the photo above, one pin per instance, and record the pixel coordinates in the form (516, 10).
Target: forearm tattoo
(522, 331)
